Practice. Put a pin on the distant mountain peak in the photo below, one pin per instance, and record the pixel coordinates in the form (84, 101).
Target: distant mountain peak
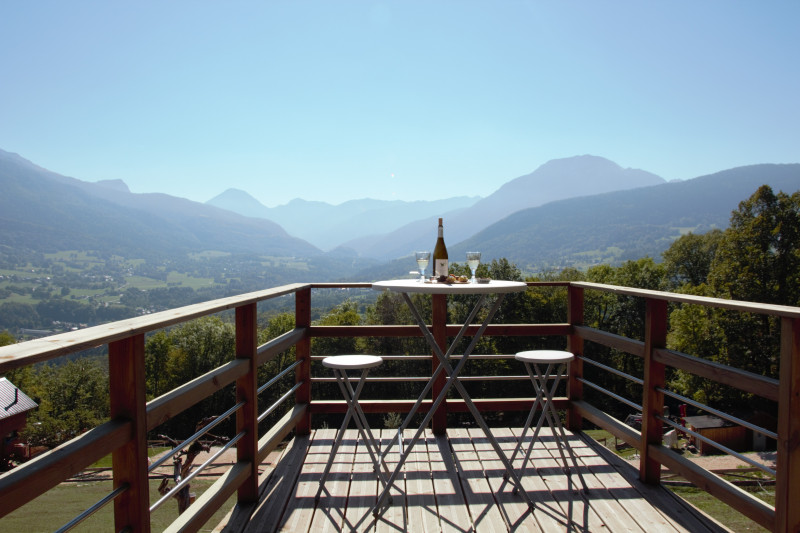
(117, 185)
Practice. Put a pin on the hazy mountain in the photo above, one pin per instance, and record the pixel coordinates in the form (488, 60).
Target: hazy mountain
(45, 211)
(557, 179)
(327, 226)
(623, 225)
(42, 210)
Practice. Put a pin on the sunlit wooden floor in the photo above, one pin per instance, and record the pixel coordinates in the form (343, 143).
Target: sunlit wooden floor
(455, 483)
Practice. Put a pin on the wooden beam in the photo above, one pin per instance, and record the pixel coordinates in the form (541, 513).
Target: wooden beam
(454, 405)
(492, 330)
(50, 347)
(247, 392)
(302, 319)
(575, 310)
(655, 336)
(32, 479)
(787, 483)
(739, 499)
(195, 517)
(610, 424)
(439, 316)
(617, 342)
(741, 379)
(177, 400)
(128, 398)
(280, 430)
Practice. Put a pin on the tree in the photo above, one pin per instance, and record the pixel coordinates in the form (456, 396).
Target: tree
(72, 398)
(275, 327)
(6, 338)
(688, 260)
(344, 314)
(185, 353)
(758, 259)
(14, 315)
(156, 357)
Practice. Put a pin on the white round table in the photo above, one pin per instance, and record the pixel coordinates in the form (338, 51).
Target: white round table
(415, 286)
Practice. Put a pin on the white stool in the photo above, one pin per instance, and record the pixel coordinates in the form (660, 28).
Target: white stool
(340, 365)
(555, 360)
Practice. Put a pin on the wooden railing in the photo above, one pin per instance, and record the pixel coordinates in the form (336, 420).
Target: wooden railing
(124, 436)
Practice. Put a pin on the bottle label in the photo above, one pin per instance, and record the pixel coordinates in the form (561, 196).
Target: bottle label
(440, 267)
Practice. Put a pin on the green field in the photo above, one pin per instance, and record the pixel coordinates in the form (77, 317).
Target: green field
(63, 503)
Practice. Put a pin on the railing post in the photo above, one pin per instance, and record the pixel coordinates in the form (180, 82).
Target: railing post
(787, 483)
(127, 397)
(247, 392)
(439, 319)
(302, 319)
(575, 306)
(655, 336)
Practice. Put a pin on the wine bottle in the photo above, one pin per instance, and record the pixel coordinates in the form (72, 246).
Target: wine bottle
(440, 255)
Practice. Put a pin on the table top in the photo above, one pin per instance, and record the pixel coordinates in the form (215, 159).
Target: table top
(414, 285)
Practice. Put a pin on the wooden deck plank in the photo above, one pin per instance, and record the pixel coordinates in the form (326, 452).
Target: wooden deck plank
(614, 515)
(430, 496)
(515, 510)
(486, 517)
(548, 514)
(239, 516)
(300, 508)
(393, 517)
(364, 488)
(640, 511)
(609, 497)
(546, 459)
(280, 484)
(421, 497)
(450, 499)
(682, 516)
(329, 513)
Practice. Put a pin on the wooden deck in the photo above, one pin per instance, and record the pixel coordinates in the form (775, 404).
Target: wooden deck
(455, 483)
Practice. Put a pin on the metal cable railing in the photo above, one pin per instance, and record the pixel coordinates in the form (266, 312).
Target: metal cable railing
(717, 445)
(185, 481)
(93, 509)
(188, 442)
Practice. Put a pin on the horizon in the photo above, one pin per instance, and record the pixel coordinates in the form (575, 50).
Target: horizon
(392, 101)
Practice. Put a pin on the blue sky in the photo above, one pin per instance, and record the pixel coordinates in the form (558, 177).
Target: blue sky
(411, 100)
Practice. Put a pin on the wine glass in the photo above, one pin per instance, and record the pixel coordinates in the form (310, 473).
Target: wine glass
(423, 258)
(473, 260)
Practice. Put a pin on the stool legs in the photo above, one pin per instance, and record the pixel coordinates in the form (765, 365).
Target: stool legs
(354, 411)
(549, 413)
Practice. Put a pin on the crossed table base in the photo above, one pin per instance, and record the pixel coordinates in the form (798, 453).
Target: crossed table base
(404, 287)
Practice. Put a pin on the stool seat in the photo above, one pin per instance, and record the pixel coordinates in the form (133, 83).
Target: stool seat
(351, 362)
(544, 356)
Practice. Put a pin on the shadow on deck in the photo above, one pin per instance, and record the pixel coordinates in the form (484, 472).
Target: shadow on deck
(455, 483)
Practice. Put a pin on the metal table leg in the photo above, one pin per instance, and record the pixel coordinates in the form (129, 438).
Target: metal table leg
(452, 381)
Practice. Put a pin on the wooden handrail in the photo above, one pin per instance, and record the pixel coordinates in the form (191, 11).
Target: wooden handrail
(47, 348)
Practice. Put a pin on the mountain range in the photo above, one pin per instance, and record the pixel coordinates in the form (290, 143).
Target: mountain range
(45, 211)
(623, 225)
(574, 211)
(335, 224)
(555, 180)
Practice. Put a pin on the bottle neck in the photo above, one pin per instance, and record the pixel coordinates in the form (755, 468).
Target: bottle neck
(441, 232)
